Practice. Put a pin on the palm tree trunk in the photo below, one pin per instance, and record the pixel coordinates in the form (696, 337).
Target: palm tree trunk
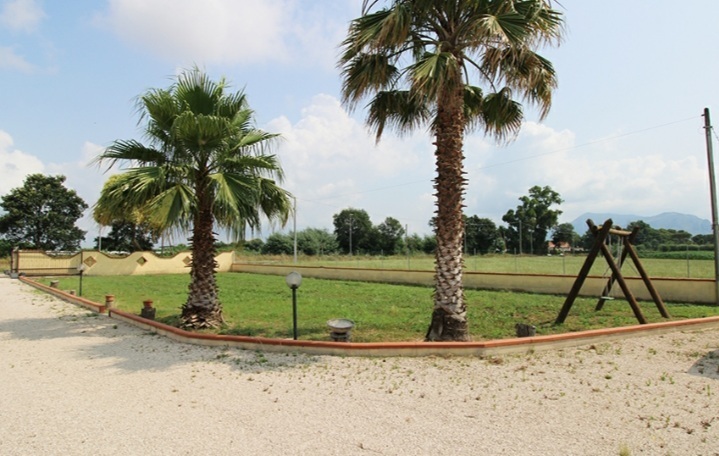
(449, 318)
(203, 308)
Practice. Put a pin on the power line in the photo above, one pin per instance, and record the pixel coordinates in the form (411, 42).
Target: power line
(508, 162)
(590, 143)
(378, 189)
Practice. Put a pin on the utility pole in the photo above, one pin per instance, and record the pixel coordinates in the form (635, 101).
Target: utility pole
(294, 226)
(713, 191)
(350, 234)
(406, 242)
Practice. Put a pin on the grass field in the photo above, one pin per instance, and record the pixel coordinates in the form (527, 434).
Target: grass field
(260, 305)
(568, 264)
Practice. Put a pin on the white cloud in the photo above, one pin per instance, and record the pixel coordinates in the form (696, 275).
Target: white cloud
(332, 162)
(615, 174)
(90, 151)
(12, 61)
(15, 165)
(224, 31)
(641, 185)
(326, 139)
(546, 139)
(21, 15)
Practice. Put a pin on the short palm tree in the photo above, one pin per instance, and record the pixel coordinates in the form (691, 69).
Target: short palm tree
(204, 166)
(416, 59)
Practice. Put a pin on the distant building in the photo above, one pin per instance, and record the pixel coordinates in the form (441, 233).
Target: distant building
(562, 247)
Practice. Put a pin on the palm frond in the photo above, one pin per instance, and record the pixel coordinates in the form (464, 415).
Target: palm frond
(526, 71)
(131, 151)
(234, 194)
(364, 74)
(395, 26)
(254, 141)
(274, 201)
(199, 132)
(501, 115)
(158, 108)
(252, 165)
(173, 206)
(547, 24)
(473, 106)
(232, 104)
(242, 119)
(400, 109)
(509, 27)
(243, 201)
(434, 73)
(363, 34)
(197, 93)
(127, 193)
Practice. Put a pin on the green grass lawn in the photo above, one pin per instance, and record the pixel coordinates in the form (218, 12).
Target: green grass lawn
(261, 305)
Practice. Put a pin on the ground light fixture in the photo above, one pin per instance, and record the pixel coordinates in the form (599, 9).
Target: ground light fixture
(294, 280)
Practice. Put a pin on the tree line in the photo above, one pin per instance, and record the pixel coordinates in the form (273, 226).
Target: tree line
(354, 232)
(42, 215)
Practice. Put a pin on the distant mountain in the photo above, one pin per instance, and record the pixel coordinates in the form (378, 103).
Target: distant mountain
(667, 220)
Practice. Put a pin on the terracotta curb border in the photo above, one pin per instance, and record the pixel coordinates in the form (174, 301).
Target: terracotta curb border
(384, 349)
(67, 297)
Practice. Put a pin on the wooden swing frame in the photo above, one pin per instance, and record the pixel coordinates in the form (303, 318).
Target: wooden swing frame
(627, 238)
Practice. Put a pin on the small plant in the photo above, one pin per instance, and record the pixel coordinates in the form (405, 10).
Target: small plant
(495, 360)
(260, 358)
(624, 450)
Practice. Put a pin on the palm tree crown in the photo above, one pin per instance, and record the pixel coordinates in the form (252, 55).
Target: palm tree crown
(416, 61)
(204, 165)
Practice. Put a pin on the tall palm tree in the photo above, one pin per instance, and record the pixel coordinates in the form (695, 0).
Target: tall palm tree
(416, 59)
(204, 165)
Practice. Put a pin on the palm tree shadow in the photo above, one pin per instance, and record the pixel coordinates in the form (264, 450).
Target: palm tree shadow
(707, 366)
(133, 349)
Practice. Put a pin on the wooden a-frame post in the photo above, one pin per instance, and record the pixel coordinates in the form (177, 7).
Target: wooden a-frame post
(600, 236)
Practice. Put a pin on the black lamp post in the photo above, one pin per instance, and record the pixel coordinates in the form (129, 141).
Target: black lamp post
(81, 269)
(294, 280)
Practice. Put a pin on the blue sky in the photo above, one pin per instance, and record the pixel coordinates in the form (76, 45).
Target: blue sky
(624, 134)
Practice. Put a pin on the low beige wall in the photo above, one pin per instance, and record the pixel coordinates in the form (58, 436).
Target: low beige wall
(34, 262)
(100, 264)
(677, 290)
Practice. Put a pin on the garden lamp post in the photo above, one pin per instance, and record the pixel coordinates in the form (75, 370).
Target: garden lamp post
(294, 280)
(80, 270)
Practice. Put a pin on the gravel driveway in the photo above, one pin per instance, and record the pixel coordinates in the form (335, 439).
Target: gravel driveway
(77, 383)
